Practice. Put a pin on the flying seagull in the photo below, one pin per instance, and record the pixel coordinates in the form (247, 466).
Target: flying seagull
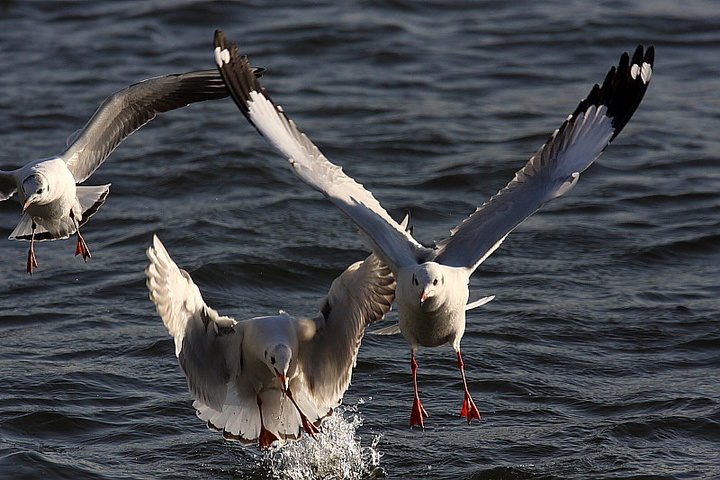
(432, 283)
(267, 379)
(54, 206)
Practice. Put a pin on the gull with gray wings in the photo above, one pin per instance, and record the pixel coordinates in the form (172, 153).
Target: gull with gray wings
(54, 205)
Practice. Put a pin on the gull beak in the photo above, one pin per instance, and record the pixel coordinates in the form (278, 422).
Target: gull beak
(423, 297)
(29, 202)
(283, 380)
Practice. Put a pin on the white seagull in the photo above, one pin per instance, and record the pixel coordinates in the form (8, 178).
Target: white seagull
(54, 207)
(267, 379)
(432, 283)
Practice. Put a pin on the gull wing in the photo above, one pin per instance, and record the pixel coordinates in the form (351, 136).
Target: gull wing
(207, 345)
(129, 109)
(556, 167)
(359, 297)
(388, 239)
(8, 185)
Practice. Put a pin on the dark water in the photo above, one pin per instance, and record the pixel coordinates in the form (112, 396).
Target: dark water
(599, 357)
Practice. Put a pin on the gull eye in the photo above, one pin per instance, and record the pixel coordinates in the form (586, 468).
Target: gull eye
(272, 359)
(435, 282)
(40, 191)
(415, 281)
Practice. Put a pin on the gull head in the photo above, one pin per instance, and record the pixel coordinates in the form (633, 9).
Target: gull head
(278, 358)
(428, 281)
(36, 190)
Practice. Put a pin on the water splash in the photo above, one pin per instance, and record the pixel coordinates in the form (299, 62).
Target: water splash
(336, 453)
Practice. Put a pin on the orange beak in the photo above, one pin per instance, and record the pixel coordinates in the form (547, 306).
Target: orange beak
(423, 297)
(283, 380)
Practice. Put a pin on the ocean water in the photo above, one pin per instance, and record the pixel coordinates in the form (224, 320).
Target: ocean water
(599, 357)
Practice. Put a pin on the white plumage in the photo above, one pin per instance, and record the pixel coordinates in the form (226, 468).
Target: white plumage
(246, 375)
(53, 206)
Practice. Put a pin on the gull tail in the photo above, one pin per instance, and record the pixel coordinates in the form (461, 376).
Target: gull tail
(23, 231)
(391, 330)
(240, 420)
(90, 199)
(479, 302)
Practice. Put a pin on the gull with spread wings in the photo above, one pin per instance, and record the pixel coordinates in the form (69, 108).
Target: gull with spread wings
(432, 283)
(268, 379)
(54, 206)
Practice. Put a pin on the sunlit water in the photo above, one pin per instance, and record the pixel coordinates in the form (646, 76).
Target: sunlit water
(597, 359)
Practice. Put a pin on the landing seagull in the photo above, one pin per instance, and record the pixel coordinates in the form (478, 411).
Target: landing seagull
(267, 379)
(53, 206)
(432, 283)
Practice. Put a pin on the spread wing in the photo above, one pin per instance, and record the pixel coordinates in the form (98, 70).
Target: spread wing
(206, 344)
(389, 239)
(361, 296)
(129, 109)
(556, 167)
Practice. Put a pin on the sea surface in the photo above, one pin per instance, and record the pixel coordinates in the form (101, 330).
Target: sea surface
(599, 357)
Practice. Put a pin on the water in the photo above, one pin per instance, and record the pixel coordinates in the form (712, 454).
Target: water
(599, 357)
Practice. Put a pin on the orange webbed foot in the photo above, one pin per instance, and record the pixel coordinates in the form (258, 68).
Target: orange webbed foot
(82, 248)
(309, 428)
(266, 438)
(469, 410)
(418, 413)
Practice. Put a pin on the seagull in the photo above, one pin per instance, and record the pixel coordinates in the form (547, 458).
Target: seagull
(267, 379)
(432, 283)
(54, 207)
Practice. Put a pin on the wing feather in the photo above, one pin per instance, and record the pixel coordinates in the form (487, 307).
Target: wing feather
(207, 345)
(556, 167)
(359, 297)
(129, 109)
(386, 237)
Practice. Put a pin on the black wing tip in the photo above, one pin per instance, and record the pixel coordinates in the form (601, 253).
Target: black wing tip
(648, 57)
(240, 78)
(235, 70)
(623, 88)
(191, 87)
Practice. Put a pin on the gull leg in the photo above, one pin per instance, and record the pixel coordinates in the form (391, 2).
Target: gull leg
(81, 248)
(307, 426)
(266, 437)
(418, 411)
(32, 261)
(469, 410)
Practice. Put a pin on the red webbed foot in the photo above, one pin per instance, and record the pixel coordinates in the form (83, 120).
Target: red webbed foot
(266, 438)
(469, 410)
(418, 413)
(309, 428)
(82, 248)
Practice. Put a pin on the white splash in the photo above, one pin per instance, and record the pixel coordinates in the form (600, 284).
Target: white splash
(336, 453)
